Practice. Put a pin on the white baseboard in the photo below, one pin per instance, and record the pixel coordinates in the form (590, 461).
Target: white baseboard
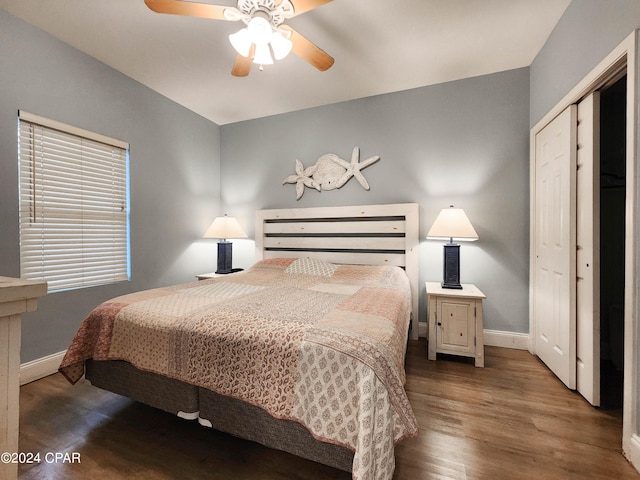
(633, 451)
(40, 367)
(496, 338)
(422, 329)
(493, 338)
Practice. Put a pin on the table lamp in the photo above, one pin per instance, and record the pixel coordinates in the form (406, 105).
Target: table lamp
(452, 223)
(224, 228)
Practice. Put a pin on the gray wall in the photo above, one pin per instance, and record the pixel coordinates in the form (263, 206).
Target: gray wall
(587, 32)
(175, 170)
(463, 143)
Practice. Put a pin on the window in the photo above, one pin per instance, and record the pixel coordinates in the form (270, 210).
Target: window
(74, 205)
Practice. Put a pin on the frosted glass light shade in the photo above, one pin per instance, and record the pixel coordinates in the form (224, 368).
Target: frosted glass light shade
(241, 42)
(281, 46)
(262, 55)
(452, 223)
(225, 227)
(260, 30)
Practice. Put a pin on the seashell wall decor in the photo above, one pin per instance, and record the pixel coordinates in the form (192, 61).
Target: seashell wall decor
(330, 172)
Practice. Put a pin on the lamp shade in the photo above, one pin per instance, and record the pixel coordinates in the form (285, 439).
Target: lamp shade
(225, 227)
(452, 223)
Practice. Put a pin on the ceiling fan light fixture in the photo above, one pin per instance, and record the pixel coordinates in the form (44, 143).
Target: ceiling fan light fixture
(264, 34)
(241, 42)
(258, 31)
(262, 55)
(280, 45)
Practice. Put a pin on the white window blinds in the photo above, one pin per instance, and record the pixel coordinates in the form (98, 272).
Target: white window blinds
(74, 212)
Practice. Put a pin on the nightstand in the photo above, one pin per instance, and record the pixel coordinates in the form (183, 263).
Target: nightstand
(204, 276)
(455, 321)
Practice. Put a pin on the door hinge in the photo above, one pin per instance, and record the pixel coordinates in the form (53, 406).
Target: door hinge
(474, 341)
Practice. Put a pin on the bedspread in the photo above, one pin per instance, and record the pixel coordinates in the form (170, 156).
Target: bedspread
(303, 339)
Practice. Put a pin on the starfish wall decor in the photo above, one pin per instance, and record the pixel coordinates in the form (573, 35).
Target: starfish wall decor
(330, 172)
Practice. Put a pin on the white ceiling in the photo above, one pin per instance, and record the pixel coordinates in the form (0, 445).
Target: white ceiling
(379, 47)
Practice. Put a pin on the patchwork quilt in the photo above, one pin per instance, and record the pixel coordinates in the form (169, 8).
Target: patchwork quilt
(305, 340)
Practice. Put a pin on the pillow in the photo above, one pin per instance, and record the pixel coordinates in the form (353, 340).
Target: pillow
(311, 266)
(272, 263)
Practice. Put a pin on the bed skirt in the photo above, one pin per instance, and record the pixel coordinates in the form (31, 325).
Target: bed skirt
(222, 413)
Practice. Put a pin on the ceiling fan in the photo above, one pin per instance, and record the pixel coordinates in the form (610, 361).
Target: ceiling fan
(264, 32)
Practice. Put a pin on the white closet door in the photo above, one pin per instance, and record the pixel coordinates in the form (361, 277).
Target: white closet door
(555, 246)
(588, 253)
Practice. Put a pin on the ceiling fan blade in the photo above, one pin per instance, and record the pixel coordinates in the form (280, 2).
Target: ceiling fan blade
(308, 51)
(301, 6)
(192, 9)
(242, 65)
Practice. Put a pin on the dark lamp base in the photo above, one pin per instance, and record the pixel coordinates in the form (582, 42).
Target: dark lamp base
(451, 266)
(224, 258)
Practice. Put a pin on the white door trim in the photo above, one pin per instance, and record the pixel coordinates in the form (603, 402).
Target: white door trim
(624, 54)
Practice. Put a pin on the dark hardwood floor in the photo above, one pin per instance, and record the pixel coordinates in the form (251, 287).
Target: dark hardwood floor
(511, 420)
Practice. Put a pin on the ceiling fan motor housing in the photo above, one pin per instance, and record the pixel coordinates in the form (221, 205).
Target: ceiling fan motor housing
(275, 14)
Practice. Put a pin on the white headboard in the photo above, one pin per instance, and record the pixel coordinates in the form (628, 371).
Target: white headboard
(362, 235)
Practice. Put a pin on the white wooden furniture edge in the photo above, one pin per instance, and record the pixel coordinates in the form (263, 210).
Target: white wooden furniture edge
(16, 297)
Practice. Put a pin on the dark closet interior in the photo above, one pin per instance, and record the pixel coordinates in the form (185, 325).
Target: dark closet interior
(612, 241)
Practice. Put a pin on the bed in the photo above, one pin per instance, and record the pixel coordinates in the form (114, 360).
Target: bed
(303, 352)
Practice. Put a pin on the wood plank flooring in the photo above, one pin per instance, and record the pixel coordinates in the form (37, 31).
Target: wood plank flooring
(511, 420)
